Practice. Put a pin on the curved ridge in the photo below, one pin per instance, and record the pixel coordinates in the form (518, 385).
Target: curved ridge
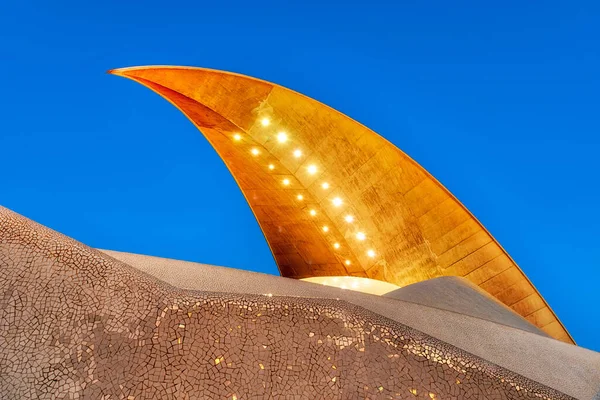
(406, 227)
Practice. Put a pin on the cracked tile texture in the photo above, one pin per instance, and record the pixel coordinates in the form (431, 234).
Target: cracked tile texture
(76, 323)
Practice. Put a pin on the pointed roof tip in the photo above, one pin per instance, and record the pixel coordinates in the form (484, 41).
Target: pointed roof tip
(128, 71)
(117, 71)
(124, 70)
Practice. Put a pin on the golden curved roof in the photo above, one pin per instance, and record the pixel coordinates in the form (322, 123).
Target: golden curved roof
(334, 198)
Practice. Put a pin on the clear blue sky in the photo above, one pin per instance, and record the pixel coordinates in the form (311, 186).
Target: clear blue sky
(500, 103)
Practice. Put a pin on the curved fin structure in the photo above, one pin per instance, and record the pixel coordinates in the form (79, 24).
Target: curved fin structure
(333, 197)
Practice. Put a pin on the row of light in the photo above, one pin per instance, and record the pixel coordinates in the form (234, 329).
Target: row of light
(282, 137)
(297, 153)
(348, 218)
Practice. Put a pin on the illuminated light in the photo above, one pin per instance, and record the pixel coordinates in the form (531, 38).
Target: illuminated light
(361, 236)
(297, 153)
(313, 212)
(255, 151)
(271, 166)
(371, 253)
(337, 202)
(237, 136)
(300, 197)
(432, 395)
(325, 228)
(364, 285)
(413, 391)
(265, 121)
(348, 262)
(349, 218)
(286, 181)
(312, 169)
(282, 137)
(336, 245)
(325, 185)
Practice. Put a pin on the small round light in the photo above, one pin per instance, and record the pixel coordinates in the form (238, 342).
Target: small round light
(312, 169)
(265, 121)
(360, 236)
(255, 151)
(325, 185)
(325, 228)
(300, 197)
(336, 245)
(271, 166)
(371, 253)
(349, 218)
(297, 153)
(282, 137)
(348, 262)
(337, 202)
(286, 181)
(237, 136)
(313, 212)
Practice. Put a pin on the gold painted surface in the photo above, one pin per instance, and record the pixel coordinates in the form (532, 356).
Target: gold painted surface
(302, 190)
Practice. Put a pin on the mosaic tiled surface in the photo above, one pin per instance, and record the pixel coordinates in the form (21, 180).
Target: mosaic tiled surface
(75, 323)
(571, 369)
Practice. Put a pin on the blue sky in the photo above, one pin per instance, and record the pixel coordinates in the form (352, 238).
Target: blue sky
(500, 103)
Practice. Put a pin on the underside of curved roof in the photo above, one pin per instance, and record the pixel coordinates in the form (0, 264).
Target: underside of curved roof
(334, 198)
